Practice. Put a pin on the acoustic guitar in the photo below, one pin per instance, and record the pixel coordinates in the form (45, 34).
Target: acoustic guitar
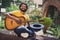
(11, 24)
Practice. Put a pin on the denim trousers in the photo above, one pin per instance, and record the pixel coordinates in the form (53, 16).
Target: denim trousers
(24, 29)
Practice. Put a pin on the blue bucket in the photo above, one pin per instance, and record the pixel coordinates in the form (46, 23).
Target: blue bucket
(37, 27)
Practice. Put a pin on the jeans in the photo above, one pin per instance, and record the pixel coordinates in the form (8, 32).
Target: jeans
(24, 29)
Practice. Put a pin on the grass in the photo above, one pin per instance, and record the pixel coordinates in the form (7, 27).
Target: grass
(1, 24)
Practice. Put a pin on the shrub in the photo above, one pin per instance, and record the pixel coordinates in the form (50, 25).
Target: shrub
(2, 24)
(47, 21)
(11, 8)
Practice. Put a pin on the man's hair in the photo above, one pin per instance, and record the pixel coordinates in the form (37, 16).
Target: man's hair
(24, 4)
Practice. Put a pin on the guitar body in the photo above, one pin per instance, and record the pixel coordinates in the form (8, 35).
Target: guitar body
(11, 24)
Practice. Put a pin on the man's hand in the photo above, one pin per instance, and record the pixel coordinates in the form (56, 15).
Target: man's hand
(28, 24)
(18, 21)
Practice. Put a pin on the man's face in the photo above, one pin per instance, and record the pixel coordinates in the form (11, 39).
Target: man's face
(23, 8)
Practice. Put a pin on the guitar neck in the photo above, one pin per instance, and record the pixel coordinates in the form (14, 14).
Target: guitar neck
(34, 21)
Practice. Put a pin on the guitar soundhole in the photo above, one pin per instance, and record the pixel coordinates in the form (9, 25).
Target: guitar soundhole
(11, 22)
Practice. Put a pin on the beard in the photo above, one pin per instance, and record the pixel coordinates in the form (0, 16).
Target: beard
(23, 10)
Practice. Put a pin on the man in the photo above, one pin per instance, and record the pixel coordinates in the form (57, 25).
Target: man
(21, 12)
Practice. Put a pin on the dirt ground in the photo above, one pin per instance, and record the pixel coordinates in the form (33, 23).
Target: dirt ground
(9, 35)
(13, 37)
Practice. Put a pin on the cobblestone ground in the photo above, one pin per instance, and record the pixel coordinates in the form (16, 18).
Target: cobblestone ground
(10, 35)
